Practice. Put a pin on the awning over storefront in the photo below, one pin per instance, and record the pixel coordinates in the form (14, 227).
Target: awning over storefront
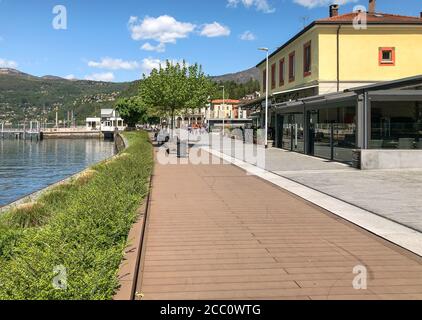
(396, 95)
(282, 96)
(315, 101)
(253, 104)
(295, 90)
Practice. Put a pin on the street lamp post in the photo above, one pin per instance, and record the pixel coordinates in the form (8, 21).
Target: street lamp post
(266, 96)
(224, 108)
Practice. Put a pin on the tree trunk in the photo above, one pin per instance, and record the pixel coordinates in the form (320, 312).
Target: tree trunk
(172, 122)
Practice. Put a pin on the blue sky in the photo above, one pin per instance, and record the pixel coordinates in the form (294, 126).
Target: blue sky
(118, 40)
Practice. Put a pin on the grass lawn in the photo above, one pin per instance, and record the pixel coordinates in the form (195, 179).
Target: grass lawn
(74, 236)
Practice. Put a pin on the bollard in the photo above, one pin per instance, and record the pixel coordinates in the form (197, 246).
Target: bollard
(182, 148)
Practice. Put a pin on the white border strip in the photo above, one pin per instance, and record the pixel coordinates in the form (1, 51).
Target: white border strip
(396, 233)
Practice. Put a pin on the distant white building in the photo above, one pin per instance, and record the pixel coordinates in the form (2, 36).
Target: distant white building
(109, 121)
(253, 96)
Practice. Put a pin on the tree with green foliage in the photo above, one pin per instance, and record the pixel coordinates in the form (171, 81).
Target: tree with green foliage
(235, 90)
(132, 110)
(175, 87)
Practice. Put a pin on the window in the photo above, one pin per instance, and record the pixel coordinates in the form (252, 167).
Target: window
(273, 76)
(387, 56)
(292, 67)
(333, 133)
(307, 59)
(264, 80)
(396, 125)
(281, 73)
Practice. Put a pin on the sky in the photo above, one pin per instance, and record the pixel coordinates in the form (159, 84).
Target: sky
(118, 41)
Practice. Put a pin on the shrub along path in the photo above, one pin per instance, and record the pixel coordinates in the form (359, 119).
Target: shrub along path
(216, 233)
(73, 237)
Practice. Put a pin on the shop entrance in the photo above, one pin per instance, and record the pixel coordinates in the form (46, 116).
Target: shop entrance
(332, 133)
(293, 132)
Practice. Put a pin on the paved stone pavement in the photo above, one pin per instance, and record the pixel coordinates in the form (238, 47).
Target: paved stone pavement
(393, 194)
(280, 160)
(396, 195)
(214, 232)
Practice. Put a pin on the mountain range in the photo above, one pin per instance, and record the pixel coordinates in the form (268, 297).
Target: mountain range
(239, 77)
(26, 96)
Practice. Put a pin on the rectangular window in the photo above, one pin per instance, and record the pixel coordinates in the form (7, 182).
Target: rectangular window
(333, 133)
(292, 66)
(281, 73)
(273, 83)
(396, 125)
(307, 59)
(264, 80)
(387, 56)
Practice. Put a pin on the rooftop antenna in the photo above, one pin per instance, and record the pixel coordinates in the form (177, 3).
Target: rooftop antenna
(305, 21)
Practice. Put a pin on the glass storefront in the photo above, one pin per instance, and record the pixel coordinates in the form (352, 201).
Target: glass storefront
(326, 126)
(396, 125)
(332, 133)
(293, 132)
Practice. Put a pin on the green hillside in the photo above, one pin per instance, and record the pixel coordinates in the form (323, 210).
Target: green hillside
(25, 96)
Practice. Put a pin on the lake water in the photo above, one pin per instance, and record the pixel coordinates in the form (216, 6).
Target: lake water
(26, 167)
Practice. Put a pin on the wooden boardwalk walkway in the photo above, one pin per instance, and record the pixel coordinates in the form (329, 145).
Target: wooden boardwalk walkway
(216, 233)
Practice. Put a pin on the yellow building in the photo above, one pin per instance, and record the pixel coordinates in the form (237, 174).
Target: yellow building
(338, 53)
(345, 83)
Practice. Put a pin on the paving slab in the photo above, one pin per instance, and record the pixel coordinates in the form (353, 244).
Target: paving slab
(393, 194)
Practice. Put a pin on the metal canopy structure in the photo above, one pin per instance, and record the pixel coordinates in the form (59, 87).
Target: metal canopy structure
(410, 82)
(363, 100)
(407, 89)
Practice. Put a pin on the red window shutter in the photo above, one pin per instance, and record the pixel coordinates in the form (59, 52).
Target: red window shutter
(273, 82)
(292, 67)
(281, 73)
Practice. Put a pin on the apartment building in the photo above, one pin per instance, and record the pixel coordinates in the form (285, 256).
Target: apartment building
(345, 51)
(323, 63)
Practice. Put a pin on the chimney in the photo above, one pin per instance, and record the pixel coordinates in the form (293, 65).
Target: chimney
(371, 8)
(333, 10)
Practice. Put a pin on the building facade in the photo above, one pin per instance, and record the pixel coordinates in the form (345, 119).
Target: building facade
(224, 109)
(336, 53)
(313, 106)
(381, 122)
(108, 122)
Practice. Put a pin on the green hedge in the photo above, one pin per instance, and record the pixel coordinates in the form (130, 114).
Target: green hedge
(82, 225)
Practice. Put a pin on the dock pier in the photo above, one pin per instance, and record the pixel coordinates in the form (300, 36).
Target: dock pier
(33, 131)
(22, 132)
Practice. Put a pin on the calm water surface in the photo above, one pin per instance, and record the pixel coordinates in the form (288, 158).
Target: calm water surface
(26, 167)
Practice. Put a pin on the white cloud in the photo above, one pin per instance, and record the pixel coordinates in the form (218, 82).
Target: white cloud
(149, 63)
(145, 66)
(105, 77)
(132, 20)
(114, 64)
(321, 3)
(214, 29)
(8, 64)
(161, 47)
(247, 36)
(164, 29)
(260, 5)
(70, 77)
